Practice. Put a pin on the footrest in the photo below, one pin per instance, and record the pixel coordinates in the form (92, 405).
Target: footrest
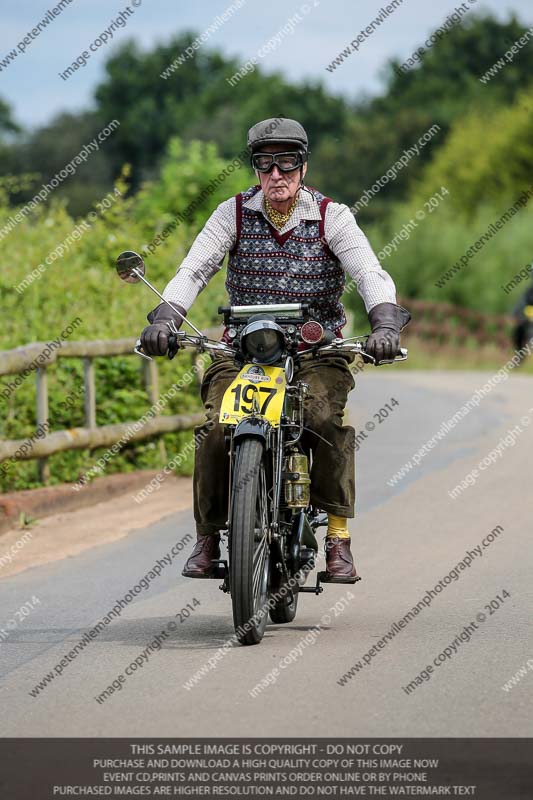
(323, 577)
(312, 589)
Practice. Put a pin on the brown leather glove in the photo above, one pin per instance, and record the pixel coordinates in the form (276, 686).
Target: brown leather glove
(154, 338)
(386, 320)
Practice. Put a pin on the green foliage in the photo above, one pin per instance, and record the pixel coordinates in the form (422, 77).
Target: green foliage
(352, 144)
(46, 151)
(188, 170)
(370, 146)
(487, 157)
(446, 81)
(197, 102)
(178, 134)
(442, 89)
(83, 283)
(440, 240)
(7, 123)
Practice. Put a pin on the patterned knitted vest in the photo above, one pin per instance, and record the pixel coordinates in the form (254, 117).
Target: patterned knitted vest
(296, 267)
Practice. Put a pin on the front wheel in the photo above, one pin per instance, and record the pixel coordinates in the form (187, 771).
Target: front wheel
(250, 545)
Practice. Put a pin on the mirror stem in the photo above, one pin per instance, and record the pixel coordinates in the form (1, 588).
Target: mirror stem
(143, 279)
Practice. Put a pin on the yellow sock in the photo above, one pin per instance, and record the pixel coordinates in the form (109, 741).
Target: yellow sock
(337, 526)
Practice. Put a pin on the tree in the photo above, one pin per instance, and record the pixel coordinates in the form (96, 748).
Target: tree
(43, 153)
(495, 173)
(197, 101)
(446, 82)
(441, 89)
(7, 123)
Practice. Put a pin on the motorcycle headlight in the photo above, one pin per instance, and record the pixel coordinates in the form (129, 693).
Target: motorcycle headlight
(263, 342)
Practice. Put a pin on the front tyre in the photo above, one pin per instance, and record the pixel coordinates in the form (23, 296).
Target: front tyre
(250, 546)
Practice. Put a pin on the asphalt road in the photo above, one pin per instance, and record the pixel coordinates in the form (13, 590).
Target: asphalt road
(406, 538)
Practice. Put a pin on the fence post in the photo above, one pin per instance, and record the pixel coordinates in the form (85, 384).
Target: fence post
(42, 418)
(151, 382)
(90, 393)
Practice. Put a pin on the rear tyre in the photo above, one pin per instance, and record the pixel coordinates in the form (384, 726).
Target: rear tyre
(250, 546)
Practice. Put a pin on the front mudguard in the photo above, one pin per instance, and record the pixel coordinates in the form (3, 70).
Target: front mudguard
(253, 426)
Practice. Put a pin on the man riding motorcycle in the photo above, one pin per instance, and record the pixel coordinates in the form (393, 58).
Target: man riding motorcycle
(287, 244)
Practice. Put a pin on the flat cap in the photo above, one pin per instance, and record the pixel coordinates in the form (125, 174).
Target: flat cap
(274, 130)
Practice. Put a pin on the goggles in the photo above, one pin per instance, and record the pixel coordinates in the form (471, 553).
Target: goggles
(286, 162)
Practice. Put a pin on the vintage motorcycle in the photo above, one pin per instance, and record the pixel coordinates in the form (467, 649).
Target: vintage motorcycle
(271, 524)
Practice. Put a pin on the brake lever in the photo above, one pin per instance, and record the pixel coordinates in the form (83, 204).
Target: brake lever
(401, 356)
(173, 346)
(140, 352)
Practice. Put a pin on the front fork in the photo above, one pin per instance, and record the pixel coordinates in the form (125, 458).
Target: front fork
(275, 442)
(271, 437)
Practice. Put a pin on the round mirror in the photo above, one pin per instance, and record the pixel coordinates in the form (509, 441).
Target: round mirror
(130, 266)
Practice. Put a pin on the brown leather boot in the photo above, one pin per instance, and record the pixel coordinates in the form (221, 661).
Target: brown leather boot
(339, 562)
(199, 564)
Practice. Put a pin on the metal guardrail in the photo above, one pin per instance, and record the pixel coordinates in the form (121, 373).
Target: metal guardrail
(34, 357)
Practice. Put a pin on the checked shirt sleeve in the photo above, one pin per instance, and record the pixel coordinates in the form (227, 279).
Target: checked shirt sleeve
(348, 242)
(205, 257)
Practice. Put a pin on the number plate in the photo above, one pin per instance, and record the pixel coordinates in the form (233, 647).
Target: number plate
(528, 311)
(255, 389)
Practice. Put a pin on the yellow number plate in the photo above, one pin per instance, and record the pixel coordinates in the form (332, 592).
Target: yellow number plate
(259, 389)
(528, 311)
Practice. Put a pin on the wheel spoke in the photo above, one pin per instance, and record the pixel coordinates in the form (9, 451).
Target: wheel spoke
(250, 557)
(259, 550)
(260, 553)
(258, 568)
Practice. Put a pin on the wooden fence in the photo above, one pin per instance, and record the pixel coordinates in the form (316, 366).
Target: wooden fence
(446, 325)
(34, 357)
(440, 324)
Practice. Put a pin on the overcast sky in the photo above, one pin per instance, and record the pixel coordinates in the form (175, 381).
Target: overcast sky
(32, 86)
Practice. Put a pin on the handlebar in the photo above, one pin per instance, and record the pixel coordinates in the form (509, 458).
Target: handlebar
(204, 345)
(348, 346)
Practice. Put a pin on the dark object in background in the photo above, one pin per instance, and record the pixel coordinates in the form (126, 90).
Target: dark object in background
(523, 315)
